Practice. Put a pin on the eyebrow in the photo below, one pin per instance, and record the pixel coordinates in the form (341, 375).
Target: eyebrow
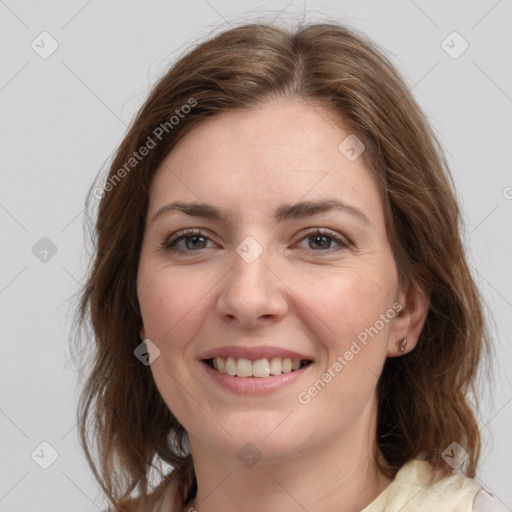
(283, 212)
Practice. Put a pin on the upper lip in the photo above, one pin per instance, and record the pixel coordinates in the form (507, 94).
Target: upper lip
(253, 353)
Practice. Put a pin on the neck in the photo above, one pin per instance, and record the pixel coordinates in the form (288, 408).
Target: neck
(340, 474)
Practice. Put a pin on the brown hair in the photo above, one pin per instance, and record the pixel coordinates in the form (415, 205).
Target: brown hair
(423, 395)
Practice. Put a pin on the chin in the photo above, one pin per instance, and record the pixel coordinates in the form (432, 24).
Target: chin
(263, 443)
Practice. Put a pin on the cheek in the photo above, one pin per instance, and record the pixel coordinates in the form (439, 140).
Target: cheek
(155, 303)
(170, 305)
(348, 327)
(349, 302)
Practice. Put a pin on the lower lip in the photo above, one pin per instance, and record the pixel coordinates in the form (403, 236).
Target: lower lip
(255, 385)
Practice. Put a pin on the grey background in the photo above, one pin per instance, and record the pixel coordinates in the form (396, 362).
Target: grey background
(62, 117)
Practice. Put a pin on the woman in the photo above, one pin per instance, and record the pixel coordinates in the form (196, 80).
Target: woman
(283, 312)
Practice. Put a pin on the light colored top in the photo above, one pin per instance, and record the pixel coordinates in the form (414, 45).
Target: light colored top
(408, 492)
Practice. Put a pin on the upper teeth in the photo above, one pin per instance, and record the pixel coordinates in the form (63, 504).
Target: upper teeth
(242, 367)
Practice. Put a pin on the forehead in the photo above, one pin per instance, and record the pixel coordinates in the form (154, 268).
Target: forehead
(286, 150)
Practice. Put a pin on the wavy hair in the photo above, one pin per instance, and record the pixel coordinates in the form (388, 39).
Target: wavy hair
(125, 427)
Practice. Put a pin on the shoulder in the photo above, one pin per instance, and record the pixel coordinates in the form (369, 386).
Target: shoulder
(453, 492)
(417, 487)
(486, 502)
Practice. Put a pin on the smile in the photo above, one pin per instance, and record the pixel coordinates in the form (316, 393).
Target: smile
(260, 368)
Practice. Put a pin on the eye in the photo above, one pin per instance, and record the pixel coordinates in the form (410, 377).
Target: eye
(323, 238)
(193, 239)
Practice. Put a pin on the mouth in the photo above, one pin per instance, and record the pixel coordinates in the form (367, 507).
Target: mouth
(259, 368)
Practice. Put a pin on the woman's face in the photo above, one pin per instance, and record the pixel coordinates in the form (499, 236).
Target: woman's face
(265, 274)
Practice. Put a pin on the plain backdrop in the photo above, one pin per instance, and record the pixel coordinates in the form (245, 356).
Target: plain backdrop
(62, 115)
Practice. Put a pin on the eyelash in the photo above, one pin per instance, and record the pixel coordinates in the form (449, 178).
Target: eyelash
(169, 245)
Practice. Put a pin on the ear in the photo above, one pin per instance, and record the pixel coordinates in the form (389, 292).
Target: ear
(410, 319)
(142, 333)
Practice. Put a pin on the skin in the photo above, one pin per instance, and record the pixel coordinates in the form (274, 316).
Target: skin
(304, 294)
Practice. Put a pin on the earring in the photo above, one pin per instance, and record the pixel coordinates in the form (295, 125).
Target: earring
(403, 342)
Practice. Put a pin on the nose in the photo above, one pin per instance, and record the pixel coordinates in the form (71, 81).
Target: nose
(252, 294)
